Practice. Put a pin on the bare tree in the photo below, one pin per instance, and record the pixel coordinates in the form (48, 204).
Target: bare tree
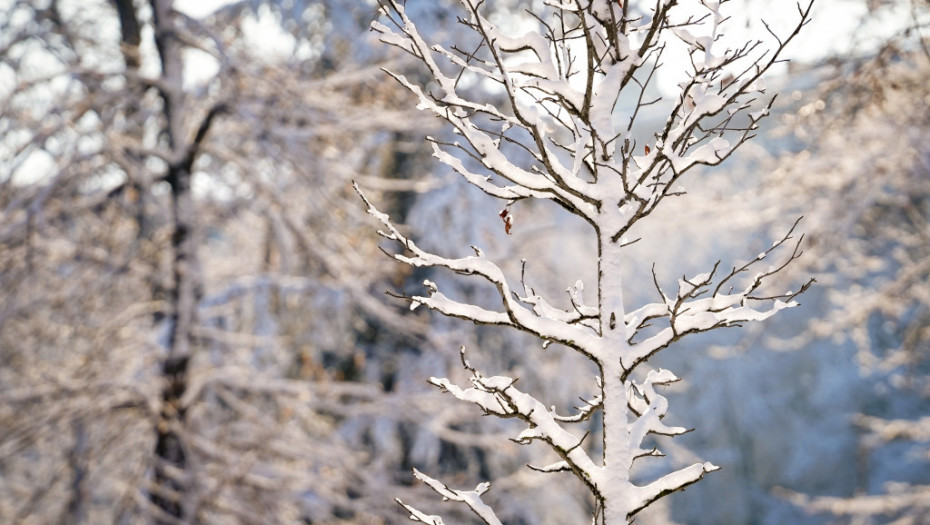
(558, 139)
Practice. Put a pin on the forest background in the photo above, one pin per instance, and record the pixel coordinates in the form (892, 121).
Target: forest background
(182, 180)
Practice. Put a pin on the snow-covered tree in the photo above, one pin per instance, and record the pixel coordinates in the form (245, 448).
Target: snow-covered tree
(564, 136)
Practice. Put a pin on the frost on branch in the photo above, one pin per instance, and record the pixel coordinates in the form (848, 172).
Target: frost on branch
(560, 135)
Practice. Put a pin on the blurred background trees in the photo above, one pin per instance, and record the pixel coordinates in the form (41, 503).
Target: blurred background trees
(184, 284)
(192, 324)
(866, 178)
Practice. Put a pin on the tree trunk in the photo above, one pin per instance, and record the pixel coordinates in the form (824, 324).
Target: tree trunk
(171, 455)
(617, 447)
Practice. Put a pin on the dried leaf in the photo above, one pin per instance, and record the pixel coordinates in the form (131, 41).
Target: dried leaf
(508, 220)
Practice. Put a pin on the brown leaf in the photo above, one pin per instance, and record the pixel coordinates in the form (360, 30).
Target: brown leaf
(508, 220)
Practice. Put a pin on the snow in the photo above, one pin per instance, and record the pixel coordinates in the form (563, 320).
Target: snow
(528, 72)
(472, 498)
(531, 41)
(756, 115)
(605, 97)
(702, 43)
(711, 153)
(705, 105)
(388, 36)
(696, 322)
(687, 286)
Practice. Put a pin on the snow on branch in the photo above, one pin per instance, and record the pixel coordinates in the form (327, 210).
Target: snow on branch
(671, 482)
(498, 396)
(472, 120)
(689, 312)
(562, 97)
(650, 408)
(422, 517)
(581, 314)
(717, 110)
(514, 314)
(472, 498)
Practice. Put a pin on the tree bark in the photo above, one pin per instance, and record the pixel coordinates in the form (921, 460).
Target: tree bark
(170, 450)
